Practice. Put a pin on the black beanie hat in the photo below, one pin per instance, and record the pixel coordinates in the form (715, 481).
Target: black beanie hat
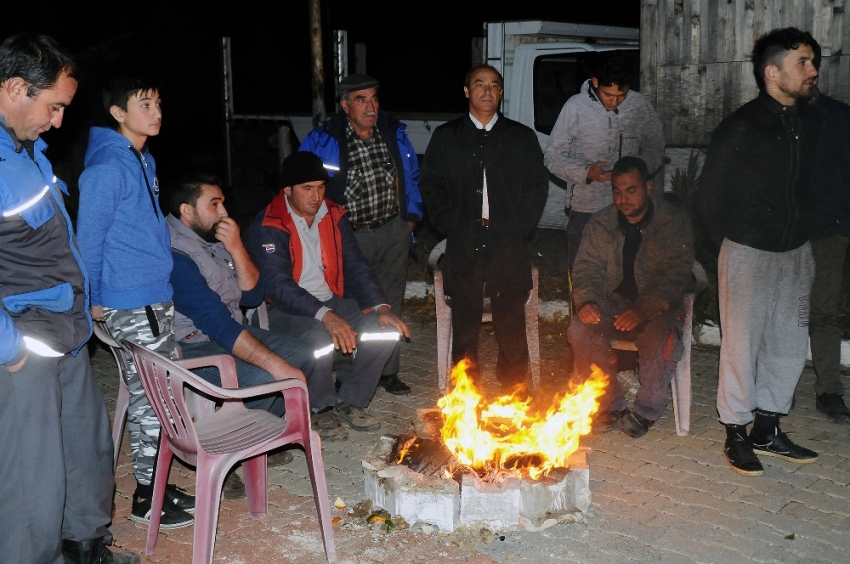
(301, 167)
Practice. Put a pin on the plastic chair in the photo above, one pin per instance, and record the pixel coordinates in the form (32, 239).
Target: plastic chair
(120, 418)
(260, 314)
(680, 384)
(444, 322)
(217, 441)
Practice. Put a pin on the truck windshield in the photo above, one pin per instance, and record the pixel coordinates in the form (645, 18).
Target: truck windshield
(557, 77)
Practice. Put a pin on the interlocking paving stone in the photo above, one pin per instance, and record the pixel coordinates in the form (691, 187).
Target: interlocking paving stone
(658, 499)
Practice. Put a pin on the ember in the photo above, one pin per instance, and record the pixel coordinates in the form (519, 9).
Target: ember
(506, 435)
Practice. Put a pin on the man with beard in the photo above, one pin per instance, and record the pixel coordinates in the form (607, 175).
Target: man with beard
(213, 277)
(631, 273)
(756, 202)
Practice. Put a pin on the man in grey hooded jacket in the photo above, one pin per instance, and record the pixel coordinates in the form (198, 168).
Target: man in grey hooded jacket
(604, 122)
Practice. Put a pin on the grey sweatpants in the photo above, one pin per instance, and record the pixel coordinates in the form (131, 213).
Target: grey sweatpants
(764, 316)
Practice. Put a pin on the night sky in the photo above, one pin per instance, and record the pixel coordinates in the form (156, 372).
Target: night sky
(420, 53)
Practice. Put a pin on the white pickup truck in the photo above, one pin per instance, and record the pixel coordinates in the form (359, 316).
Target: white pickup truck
(543, 64)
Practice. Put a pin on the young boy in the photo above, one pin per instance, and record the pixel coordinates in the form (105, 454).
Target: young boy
(126, 248)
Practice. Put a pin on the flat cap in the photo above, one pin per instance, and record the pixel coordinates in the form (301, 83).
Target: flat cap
(301, 167)
(355, 82)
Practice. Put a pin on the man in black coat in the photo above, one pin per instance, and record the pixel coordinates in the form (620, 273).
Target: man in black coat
(484, 185)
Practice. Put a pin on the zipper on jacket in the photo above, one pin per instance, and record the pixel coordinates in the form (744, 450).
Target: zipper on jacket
(790, 201)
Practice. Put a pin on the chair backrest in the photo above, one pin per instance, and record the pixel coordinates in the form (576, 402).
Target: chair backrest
(164, 381)
(103, 335)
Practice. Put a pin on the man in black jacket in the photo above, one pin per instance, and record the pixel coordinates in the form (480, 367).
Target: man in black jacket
(830, 233)
(484, 186)
(756, 202)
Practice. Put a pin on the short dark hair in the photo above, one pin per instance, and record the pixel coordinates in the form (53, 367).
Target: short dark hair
(772, 47)
(612, 68)
(627, 164)
(188, 189)
(36, 58)
(471, 71)
(121, 88)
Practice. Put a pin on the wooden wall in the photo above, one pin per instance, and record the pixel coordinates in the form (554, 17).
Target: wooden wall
(695, 56)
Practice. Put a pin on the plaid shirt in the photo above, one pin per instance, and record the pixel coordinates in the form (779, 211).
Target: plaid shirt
(370, 188)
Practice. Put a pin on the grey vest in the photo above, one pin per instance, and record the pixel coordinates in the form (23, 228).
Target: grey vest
(215, 265)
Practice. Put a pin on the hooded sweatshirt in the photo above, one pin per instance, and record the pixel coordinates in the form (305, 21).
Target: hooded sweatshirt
(586, 133)
(121, 229)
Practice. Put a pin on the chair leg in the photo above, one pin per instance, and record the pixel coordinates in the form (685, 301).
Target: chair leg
(682, 377)
(160, 481)
(256, 473)
(119, 419)
(211, 471)
(316, 467)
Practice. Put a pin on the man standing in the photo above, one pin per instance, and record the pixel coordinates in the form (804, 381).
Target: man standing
(56, 475)
(485, 186)
(632, 270)
(374, 174)
(324, 290)
(213, 278)
(754, 198)
(604, 122)
(830, 232)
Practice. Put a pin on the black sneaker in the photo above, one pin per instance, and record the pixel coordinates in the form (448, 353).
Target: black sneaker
(179, 498)
(172, 516)
(739, 452)
(634, 425)
(95, 552)
(833, 406)
(780, 446)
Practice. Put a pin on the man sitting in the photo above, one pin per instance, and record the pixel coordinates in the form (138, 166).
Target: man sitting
(322, 287)
(213, 278)
(633, 267)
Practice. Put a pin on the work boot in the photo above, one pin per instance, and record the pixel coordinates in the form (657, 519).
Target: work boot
(327, 426)
(607, 420)
(94, 551)
(356, 418)
(833, 406)
(739, 452)
(634, 425)
(394, 385)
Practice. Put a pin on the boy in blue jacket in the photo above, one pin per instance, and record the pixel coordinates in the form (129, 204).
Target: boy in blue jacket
(126, 247)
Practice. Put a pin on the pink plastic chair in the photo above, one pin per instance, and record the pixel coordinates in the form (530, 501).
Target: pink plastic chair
(216, 441)
(123, 392)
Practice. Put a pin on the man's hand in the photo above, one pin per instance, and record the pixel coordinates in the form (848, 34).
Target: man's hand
(589, 314)
(97, 313)
(596, 172)
(344, 337)
(387, 317)
(628, 319)
(227, 231)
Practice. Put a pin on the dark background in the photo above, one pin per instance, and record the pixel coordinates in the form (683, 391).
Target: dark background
(419, 51)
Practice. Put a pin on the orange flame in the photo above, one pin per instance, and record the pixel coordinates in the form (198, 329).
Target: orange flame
(485, 437)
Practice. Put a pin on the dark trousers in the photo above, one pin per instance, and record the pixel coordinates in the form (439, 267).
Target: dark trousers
(387, 248)
(56, 476)
(824, 331)
(294, 351)
(575, 227)
(508, 310)
(659, 345)
(359, 382)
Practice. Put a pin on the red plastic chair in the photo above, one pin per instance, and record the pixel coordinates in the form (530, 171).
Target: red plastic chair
(123, 400)
(216, 441)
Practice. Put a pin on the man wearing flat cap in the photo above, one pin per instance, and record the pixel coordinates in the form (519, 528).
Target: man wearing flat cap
(322, 288)
(374, 174)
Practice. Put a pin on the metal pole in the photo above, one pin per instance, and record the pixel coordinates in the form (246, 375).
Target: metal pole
(227, 76)
(319, 113)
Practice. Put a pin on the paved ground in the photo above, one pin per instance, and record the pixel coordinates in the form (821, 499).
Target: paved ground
(658, 499)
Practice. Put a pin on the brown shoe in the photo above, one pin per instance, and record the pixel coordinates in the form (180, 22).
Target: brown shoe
(234, 487)
(328, 427)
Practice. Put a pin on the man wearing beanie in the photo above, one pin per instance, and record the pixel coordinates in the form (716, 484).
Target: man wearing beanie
(374, 173)
(323, 289)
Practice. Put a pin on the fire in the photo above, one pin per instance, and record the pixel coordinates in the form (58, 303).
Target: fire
(487, 437)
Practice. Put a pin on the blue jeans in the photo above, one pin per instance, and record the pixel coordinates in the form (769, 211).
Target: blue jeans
(290, 349)
(659, 344)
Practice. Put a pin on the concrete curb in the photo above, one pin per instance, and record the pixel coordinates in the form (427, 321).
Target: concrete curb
(559, 309)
